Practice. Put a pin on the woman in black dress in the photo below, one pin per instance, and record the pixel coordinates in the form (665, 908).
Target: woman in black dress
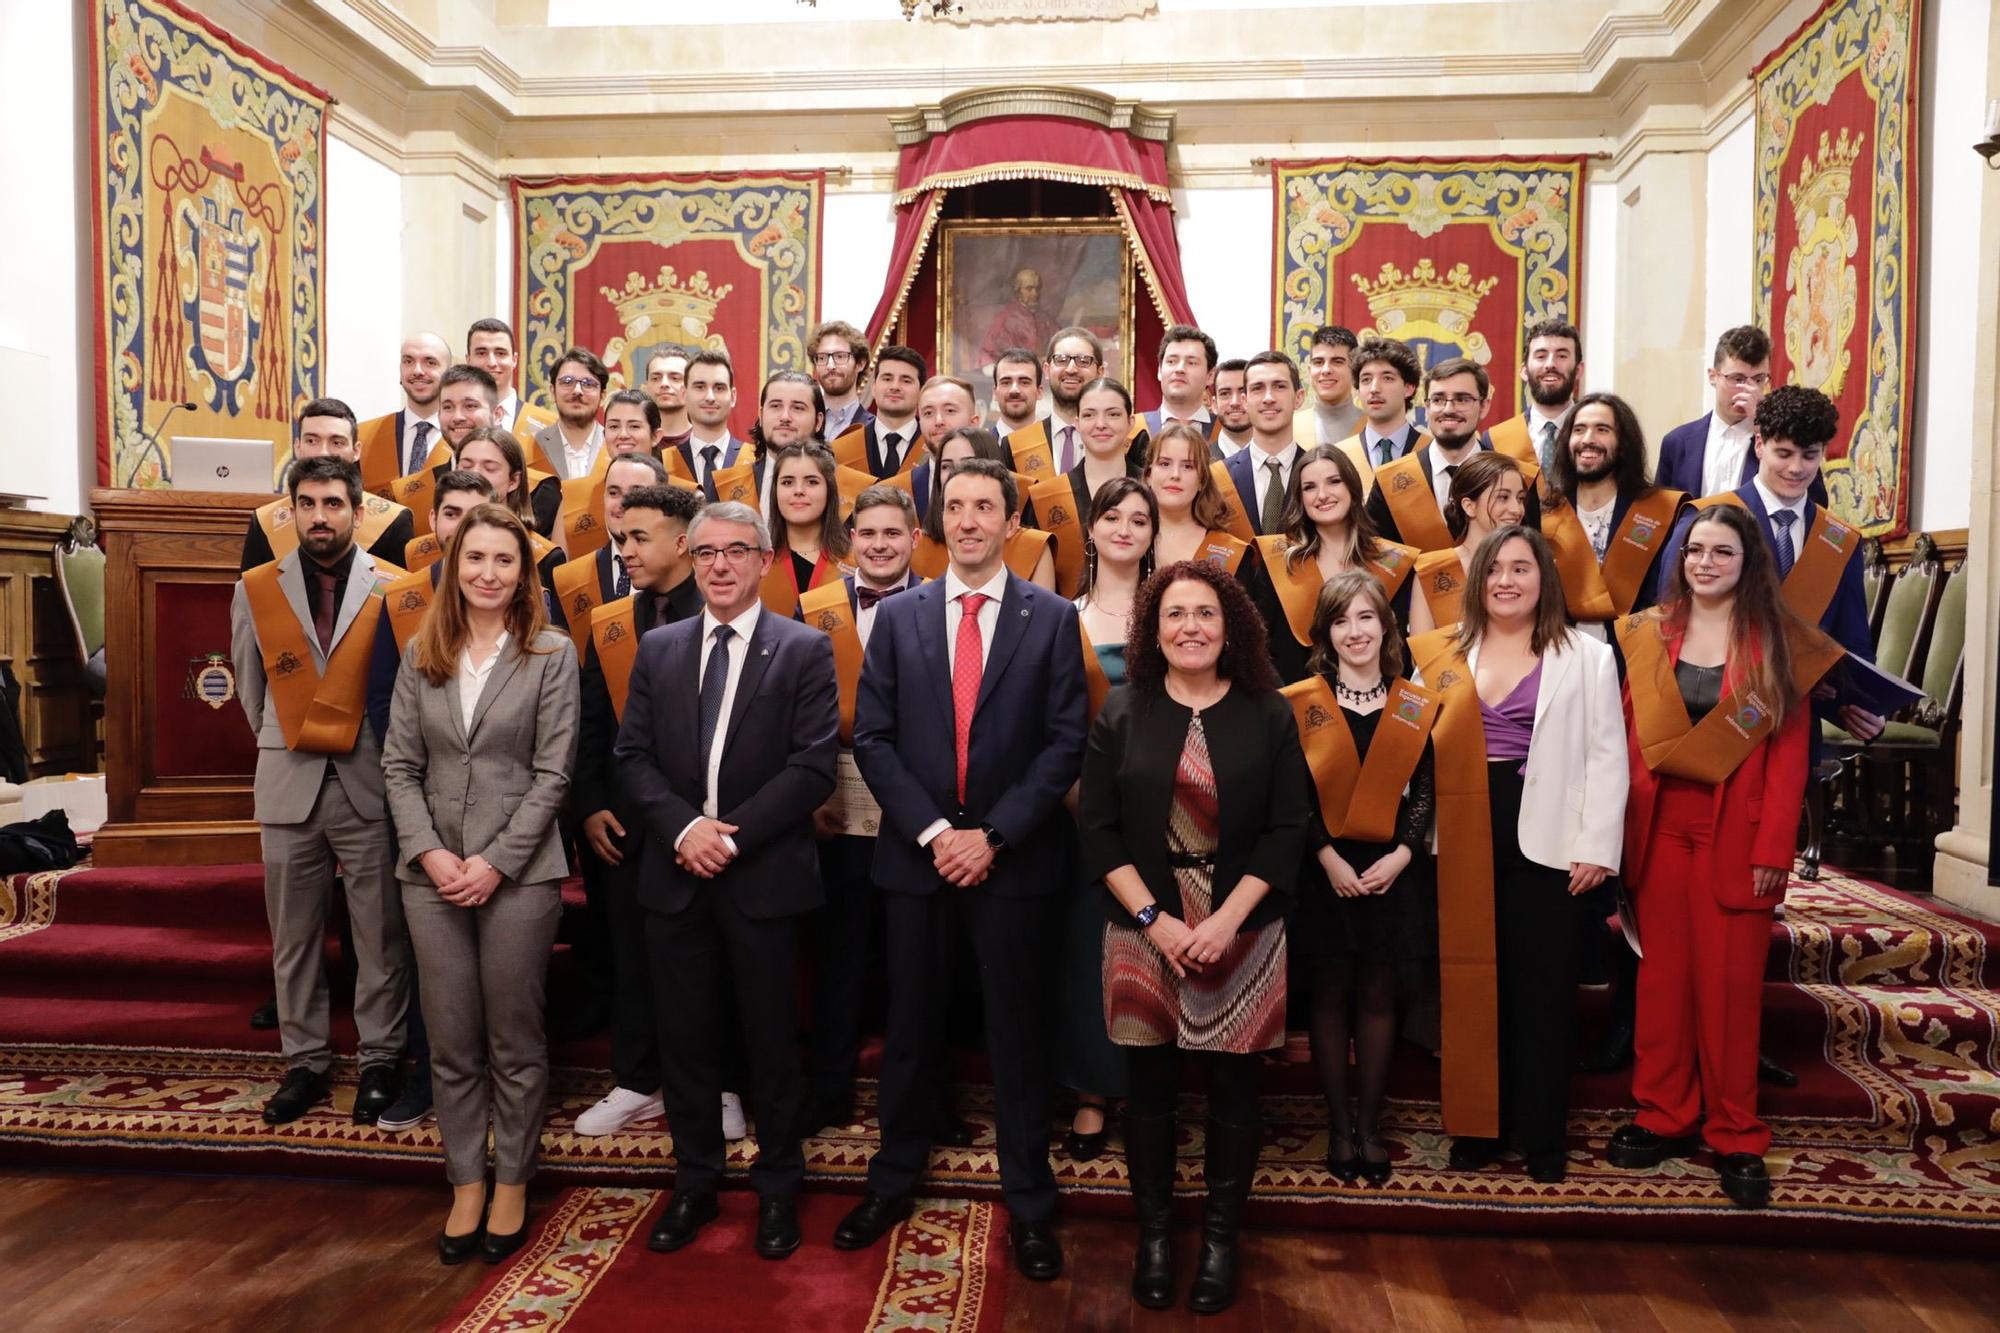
(1367, 911)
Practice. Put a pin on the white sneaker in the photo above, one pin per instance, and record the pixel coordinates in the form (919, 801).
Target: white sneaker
(620, 1107)
(734, 1126)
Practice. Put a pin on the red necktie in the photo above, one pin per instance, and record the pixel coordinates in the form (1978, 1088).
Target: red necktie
(966, 669)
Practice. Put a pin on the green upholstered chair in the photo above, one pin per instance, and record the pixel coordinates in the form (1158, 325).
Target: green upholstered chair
(80, 575)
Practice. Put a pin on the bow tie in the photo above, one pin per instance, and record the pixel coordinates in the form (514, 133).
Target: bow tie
(866, 597)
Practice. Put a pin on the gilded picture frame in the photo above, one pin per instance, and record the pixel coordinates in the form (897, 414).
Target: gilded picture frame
(1080, 267)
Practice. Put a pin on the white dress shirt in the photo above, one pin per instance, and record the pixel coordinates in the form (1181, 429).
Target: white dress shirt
(907, 436)
(577, 459)
(509, 408)
(696, 444)
(1260, 476)
(744, 626)
(864, 616)
(472, 679)
(1722, 457)
(1441, 480)
(1199, 417)
(955, 589)
(1230, 448)
(1772, 504)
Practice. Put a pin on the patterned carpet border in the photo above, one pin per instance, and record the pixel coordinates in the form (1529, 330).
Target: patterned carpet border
(574, 1248)
(28, 903)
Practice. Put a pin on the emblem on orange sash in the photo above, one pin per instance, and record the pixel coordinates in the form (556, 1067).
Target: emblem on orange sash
(1815, 576)
(282, 535)
(406, 600)
(614, 632)
(1359, 798)
(1234, 521)
(1413, 504)
(318, 713)
(579, 593)
(1604, 592)
(827, 610)
(1055, 513)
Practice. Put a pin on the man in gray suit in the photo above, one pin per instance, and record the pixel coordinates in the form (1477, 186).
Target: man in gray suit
(301, 631)
(571, 445)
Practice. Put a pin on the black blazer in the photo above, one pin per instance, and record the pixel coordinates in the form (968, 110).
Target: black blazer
(1026, 747)
(595, 785)
(777, 764)
(1261, 793)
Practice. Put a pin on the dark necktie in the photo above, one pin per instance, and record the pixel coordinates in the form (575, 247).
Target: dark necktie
(420, 448)
(622, 586)
(714, 681)
(1548, 450)
(891, 443)
(1274, 498)
(966, 670)
(866, 597)
(1781, 541)
(1385, 452)
(323, 584)
(711, 454)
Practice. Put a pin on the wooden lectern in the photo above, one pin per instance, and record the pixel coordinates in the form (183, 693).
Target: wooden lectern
(178, 753)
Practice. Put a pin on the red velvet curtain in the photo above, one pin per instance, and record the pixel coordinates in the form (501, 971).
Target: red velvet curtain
(1131, 170)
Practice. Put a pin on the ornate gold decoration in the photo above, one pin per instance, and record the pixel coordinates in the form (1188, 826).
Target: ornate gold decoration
(1427, 307)
(668, 310)
(1820, 274)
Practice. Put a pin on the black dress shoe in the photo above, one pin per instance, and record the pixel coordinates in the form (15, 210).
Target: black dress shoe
(685, 1216)
(777, 1227)
(1772, 1074)
(1549, 1168)
(265, 1016)
(1369, 1169)
(300, 1092)
(1346, 1168)
(1037, 1252)
(455, 1250)
(494, 1248)
(1613, 1052)
(955, 1132)
(1469, 1154)
(831, 1111)
(1084, 1147)
(1744, 1179)
(869, 1221)
(1634, 1148)
(376, 1094)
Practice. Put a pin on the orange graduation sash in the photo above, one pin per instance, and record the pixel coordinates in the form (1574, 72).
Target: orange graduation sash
(1222, 549)
(1359, 798)
(1413, 504)
(1441, 579)
(1032, 454)
(1298, 589)
(1234, 521)
(318, 714)
(780, 589)
(1815, 575)
(417, 491)
(405, 601)
(1708, 751)
(614, 632)
(852, 481)
(1095, 681)
(422, 552)
(1604, 592)
(581, 519)
(1467, 977)
(380, 448)
(737, 483)
(1055, 514)
(276, 520)
(850, 449)
(1511, 437)
(827, 610)
(1022, 554)
(579, 594)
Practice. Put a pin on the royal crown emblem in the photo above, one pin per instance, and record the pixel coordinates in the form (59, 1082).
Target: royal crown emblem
(1448, 679)
(828, 622)
(286, 664)
(1317, 717)
(412, 600)
(1431, 311)
(666, 311)
(1821, 285)
(614, 632)
(579, 605)
(1058, 514)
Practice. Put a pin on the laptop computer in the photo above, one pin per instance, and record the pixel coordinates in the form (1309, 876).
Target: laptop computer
(205, 464)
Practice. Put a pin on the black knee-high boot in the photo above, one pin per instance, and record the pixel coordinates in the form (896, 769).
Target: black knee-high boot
(1149, 1163)
(1231, 1162)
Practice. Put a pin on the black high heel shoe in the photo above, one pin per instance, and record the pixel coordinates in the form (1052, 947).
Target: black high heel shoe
(455, 1250)
(1082, 1147)
(1372, 1171)
(1345, 1168)
(494, 1248)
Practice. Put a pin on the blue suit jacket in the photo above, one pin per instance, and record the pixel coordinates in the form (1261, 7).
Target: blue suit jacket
(1026, 747)
(1238, 466)
(1685, 449)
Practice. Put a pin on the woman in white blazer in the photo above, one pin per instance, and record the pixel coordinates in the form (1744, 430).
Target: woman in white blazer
(1556, 776)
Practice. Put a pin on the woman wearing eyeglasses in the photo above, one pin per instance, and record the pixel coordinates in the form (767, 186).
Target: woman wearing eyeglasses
(1717, 725)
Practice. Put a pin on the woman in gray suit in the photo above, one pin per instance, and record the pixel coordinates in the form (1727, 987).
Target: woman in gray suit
(482, 733)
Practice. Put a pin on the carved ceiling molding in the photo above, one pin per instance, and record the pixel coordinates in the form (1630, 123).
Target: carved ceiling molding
(979, 104)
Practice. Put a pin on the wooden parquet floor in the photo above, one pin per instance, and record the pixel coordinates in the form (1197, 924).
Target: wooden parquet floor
(88, 1252)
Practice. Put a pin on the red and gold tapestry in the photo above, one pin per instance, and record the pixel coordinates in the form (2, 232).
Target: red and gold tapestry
(209, 201)
(1454, 257)
(627, 264)
(1836, 271)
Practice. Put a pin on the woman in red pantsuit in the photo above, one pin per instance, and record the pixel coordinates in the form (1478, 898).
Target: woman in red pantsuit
(1717, 725)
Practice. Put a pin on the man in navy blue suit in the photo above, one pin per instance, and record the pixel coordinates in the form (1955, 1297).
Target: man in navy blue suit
(1261, 472)
(969, 728)
(1714, 453)
(726, 863)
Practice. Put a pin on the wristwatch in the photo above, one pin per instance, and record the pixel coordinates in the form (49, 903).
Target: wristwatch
(993, 838)
(1147, 915)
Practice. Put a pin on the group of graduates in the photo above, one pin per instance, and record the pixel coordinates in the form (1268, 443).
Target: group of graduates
(1162, 732)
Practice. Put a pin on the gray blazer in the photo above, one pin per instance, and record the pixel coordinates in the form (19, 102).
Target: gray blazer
(494, 794)
(288, 782)
(550, 439)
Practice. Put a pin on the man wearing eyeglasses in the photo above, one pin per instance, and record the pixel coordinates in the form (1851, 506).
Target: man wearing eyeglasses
(727, 862)
(1074, 358)
(839, 360)
(574, 442)
(1410, 494)
(1716, 453)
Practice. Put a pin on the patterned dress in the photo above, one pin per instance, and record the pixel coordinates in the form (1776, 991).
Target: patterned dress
(1236, 1004)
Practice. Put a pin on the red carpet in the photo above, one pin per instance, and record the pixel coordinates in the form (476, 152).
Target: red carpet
(588, 1271)
(123, 1040)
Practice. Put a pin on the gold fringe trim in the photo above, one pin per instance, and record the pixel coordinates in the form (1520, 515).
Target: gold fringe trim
(909, 278)
(1014, 171)
(1145, 261)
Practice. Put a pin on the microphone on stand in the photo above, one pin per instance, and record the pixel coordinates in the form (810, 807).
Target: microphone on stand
(172, 408)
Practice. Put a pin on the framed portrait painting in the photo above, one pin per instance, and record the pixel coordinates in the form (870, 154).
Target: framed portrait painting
(1013, 284)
